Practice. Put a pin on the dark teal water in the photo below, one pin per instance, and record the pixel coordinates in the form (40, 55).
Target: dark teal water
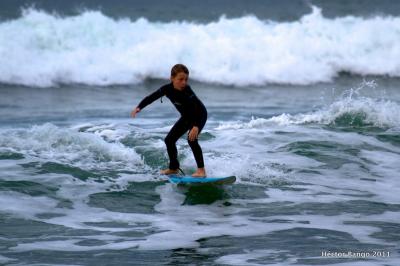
(156, 10)
(80, 186)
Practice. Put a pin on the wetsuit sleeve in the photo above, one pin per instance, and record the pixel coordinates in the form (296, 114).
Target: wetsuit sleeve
(152, 97)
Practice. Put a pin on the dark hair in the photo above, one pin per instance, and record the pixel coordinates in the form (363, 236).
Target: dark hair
(178, 68)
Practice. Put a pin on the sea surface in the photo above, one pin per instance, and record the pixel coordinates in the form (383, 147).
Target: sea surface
(303, 100)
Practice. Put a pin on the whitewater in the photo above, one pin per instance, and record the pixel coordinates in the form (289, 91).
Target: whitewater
(45, 49)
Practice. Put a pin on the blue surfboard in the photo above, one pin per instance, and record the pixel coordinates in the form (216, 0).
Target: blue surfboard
(189, 180)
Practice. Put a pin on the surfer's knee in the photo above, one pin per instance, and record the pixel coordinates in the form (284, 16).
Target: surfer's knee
(192, 142)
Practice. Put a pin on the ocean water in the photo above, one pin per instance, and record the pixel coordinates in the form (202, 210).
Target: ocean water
(304, 109)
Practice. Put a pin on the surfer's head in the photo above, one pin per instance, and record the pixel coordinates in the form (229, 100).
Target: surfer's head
(179, 76)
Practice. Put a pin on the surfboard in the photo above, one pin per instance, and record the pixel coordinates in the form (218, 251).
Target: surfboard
(189, 180)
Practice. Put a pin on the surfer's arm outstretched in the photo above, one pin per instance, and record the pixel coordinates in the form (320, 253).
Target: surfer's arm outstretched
(148, 100)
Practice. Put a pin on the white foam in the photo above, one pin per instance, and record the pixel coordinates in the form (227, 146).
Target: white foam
(43, 49)
(87, 150)
(4, 259)
(71, 245)
(23, 205)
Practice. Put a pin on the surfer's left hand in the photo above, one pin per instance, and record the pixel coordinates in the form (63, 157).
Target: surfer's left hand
(193, 133)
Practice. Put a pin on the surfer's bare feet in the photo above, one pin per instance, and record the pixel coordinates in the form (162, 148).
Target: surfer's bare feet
(201, 172)
(169, 172)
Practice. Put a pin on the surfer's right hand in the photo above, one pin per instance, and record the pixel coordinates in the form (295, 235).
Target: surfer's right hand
(135, 111)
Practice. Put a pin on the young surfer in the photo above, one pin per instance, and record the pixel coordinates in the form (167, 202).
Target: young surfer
(193, 118)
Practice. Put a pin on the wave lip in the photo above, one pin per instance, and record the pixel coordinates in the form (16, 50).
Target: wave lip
(358, 112)
(41, 49)
(346, 112)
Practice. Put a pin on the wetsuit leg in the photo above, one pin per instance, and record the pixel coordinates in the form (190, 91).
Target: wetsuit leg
(197, 152)
(177, 131)
(196, 149)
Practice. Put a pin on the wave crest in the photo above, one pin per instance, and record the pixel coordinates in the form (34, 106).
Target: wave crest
(348, 111)
(41, 49)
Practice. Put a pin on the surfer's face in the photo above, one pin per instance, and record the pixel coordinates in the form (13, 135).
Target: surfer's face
(180, 80)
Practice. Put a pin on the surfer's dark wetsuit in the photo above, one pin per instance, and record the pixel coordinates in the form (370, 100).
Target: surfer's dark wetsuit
(193, 113)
